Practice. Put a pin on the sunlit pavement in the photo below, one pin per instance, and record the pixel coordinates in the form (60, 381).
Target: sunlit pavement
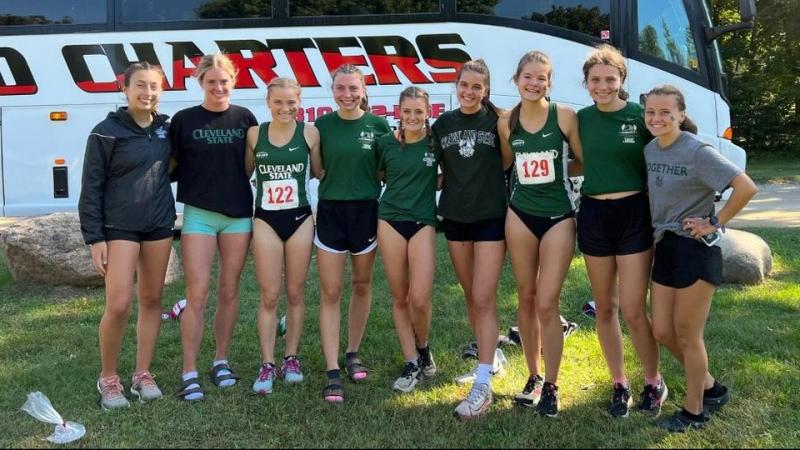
(775, 205)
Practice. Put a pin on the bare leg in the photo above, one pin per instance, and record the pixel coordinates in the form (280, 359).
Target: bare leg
(331, 272)
(232, 254)
(122, 258)
(153, 260)
(197, 254)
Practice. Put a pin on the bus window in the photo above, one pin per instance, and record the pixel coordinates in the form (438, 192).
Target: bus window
(307, 8)
(664, 32)
(52, 12)
(590, 17)
(177, 10)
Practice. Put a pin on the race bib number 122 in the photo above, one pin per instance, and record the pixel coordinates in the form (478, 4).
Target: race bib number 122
(279, 194)
(536, 168)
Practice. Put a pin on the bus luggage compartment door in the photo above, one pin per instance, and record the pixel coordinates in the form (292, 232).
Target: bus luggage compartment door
(43, 157)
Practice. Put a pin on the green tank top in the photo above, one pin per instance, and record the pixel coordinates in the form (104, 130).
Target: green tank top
(281, 172)
(540, 187)
(411, 173)
(613, 149)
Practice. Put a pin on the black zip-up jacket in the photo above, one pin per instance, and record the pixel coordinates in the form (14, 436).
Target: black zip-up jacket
(125, 182)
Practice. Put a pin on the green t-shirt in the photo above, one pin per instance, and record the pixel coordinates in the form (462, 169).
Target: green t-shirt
(540, 187)
(411, 173)
(474, 186)
(350, 163)
(281, 172)
(613, 149)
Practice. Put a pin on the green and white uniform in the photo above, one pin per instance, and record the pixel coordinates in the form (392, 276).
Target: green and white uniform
(613, 149)
(411, 173)
(348, 157)
(281, 172)
(540, 185)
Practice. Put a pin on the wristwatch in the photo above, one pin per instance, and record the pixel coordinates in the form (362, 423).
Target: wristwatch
(714, 221)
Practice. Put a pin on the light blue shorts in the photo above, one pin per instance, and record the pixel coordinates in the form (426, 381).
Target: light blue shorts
(201, 221)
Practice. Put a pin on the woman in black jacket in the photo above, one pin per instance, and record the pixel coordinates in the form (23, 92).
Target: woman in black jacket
(127, 212)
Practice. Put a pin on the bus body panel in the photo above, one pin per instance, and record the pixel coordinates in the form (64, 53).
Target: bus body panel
(72, 70)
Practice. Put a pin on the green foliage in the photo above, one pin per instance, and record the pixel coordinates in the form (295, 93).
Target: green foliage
(764, 71)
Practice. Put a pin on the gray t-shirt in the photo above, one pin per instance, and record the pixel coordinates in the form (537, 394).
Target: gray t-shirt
(682, 180)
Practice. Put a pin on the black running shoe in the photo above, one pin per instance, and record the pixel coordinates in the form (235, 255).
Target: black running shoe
(531, 393)
(679, 423)
(712, 404)
(620, 402)
(653, 397)
(548, 404)
(426, 362)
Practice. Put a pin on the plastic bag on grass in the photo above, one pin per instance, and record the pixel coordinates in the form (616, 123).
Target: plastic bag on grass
(40, 408)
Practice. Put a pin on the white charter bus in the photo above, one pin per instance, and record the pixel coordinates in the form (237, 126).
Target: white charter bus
(60, 62)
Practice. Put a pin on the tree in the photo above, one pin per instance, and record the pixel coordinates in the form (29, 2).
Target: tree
(648, 42)
(763, 68)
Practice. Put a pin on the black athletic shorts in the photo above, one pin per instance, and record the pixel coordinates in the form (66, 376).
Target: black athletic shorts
(539, 225)
(406, 228)
(285, 221)
(482, 230)
(614, 227)
(680, 261)
(113, 234)
(347, 226)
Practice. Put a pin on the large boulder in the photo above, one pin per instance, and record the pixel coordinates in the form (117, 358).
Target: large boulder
(50, 249)
(746, 258)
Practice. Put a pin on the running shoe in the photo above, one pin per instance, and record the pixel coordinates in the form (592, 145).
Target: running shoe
(111, 393)
(531, 393)
(265, 379)
(144, 387)
(409, 378)
(548, 405)
(621, 401)
(426, 362)
(290, 370)
(653, 398)
(476, 403)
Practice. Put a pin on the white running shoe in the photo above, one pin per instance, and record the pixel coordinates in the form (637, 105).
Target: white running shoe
(409, 378)
(476, 403)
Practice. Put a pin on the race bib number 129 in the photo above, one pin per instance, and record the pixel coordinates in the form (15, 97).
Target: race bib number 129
(536, 168)
(279, 194)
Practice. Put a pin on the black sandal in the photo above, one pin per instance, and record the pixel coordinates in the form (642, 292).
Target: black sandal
(184, 390)
(217, 378)
(333, 392)
(356, 369)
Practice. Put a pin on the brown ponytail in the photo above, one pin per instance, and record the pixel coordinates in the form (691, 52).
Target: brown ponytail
(479, 66)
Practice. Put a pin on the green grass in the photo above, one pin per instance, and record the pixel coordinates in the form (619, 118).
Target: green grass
(775, 169)
(48, 342)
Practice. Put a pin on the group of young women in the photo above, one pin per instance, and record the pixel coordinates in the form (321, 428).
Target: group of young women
(646, 181)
